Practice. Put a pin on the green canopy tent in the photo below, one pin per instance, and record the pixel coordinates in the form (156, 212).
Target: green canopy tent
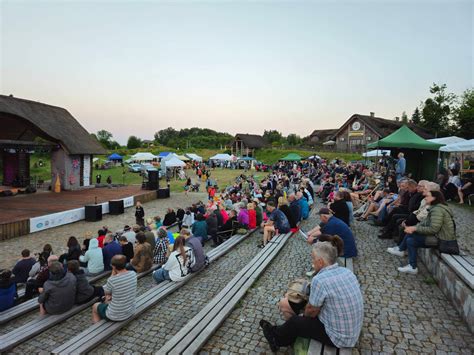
(420, 154)
(291, 157)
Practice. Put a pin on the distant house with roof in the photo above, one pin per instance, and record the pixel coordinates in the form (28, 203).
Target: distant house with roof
(246, 144)
(320, 136)
(360, 130)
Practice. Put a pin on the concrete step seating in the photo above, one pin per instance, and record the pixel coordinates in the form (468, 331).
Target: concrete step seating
(305, 346)
(199, 329)
(42, 323)
(463, 266)
(99, 332)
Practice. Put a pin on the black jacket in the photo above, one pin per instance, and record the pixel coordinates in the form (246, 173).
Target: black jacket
(340, 210)
(169, 219)
(84, 290)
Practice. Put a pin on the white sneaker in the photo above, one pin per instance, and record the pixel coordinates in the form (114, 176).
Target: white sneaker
(408, 269)
(310, 273)
(396, 251)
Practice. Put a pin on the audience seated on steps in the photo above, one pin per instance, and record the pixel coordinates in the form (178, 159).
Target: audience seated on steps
(304, 206)
(73, 251)
(170, 218)
(277, 224)
(7, 290)
(84, 290)
(59, 292)
(110, 249)
(127, 248)
(23, 266)
(339, 207)
(93, 258)
(160, 253)
(120, 293)
(150, 233)
(33, 284)
(199, 256)
(42, 261)
(230, 227)
(142, 255)
(334, 311)
(199, 228)
(178, 264)
(285, 208)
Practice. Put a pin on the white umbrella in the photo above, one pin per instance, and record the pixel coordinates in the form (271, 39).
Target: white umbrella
(143, 156)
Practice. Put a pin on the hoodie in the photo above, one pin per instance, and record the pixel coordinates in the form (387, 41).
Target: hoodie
(84, 290)
(59, 293)
(93, 257)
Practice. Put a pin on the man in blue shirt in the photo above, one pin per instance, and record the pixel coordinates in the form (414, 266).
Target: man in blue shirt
(400, 167)
(110, 249)
(276, 221)
(335, 309)
(304, 206)
(334, 226)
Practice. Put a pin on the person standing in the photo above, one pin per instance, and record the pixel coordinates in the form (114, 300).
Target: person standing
(400, 167)
(139, 214)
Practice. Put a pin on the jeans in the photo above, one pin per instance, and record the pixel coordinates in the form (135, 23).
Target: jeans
(161, 275)
(298, 326)
(412, 242)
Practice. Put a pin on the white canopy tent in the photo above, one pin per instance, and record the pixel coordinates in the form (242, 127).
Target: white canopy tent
(169, 157)
(313, 157)
(466, 146)
(193, 156)
(223, 157)
(173, 162)
(329, 143)
(447, 140)
(143, 156)
(376, 153)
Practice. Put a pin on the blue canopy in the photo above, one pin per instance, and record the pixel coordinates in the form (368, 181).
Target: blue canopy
(164, 154)
(115, 156)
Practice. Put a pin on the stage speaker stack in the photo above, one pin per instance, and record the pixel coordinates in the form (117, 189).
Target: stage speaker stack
(152, 180)
(93, 213)
(116, 207)
(163, 193)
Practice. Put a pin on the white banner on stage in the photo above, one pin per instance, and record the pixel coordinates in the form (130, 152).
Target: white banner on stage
(128, 202)
(56, 219)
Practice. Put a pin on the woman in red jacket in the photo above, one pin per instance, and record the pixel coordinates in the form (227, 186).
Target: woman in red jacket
(252, 216)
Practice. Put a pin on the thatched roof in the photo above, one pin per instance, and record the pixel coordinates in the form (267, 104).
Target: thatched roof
(322, 135)
(52, 123)
(251, 140)
(384, 127)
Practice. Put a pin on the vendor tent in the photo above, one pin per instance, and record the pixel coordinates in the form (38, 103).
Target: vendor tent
(376, 153)
(143, 156)
(164, 154)
(173, 162)
(182, 157)
(446, 140)
(291, 157)
(314, 157)
(193, 156)
(420, 154)
(465, 146)
(246, 158)
(115, 157)
(224, 157)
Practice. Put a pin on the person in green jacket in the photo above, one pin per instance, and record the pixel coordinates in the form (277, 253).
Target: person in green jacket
(439, 223)
(258, 211)
(199, 228)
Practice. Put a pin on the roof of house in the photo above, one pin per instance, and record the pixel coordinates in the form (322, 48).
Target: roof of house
(323, 134)
(251, 140)
(384, 127)
(55, 124)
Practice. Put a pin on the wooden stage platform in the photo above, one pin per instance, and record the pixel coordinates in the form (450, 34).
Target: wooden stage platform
(16, 211)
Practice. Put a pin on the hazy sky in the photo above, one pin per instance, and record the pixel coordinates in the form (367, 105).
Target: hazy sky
(134, 67)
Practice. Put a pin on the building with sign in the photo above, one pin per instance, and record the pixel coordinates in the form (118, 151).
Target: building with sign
(244, 145)
(28, 127)
(360, 130)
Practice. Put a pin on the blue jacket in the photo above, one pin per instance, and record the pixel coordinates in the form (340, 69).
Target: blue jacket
(335, 226)
(109, 251)
(304, 208)
(7, 297)
(401, 166)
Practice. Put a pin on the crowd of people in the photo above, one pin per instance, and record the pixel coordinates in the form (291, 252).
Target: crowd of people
(329, 308)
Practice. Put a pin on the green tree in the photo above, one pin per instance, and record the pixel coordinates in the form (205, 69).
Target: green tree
(134, 142)
(437, 111)
(105, 138)
(164, 136)
(404, 118)
(464, 115)
(272, 136)
(293, 139)
(416, 117)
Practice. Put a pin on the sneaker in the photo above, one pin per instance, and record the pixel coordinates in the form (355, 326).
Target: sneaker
(408, 269)
(310, 273)
(396, 251)
(267, 332)
(261, 246)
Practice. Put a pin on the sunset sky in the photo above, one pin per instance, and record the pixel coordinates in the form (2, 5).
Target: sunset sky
(134, 67)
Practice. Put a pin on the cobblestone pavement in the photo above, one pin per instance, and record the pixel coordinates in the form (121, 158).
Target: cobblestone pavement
(162, 321)
(464, 217)
(403, 313)
(10, 249)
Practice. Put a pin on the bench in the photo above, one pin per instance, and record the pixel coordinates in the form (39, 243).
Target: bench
(305, 346)
(42, 323)
(101, 331)
(196, 332)
(455, 277)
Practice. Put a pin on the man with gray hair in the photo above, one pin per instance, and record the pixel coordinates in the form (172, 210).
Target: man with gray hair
(335, 310)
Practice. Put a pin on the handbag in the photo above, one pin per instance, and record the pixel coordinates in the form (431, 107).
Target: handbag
(449, 246)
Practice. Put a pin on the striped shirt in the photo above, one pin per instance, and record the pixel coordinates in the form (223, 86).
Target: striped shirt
(336, 290)
(123, 288)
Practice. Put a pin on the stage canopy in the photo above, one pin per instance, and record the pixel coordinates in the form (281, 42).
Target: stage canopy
(405, 138)
(376, 153)
(447, 140)
(224, 157)
(173, 162)
(143, 156)
(114, 156)
(291, 157)
(193, 156)
(466, 146)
